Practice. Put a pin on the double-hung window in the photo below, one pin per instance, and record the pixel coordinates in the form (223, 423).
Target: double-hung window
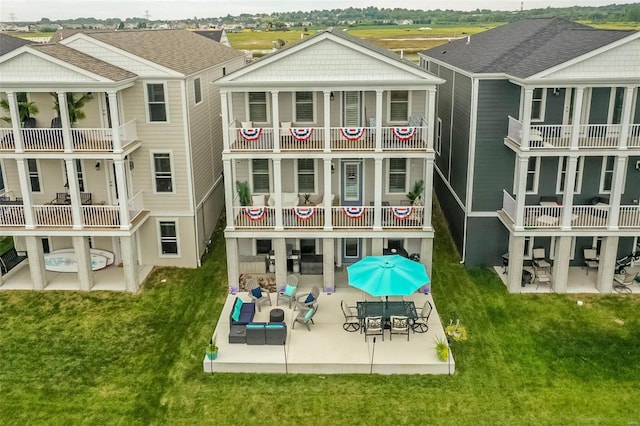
(163, 174)
(260, 175)
(562, 175)
(257, 102)
(533, 172)
(34, 174)
(398, 106)
(397, 182)
(78, 172)
(306, 175)
(156, 101)
(168, 238)
(304, 107)
(537, 104)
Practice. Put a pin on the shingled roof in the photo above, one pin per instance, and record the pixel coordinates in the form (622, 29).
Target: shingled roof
(524, 48)
(84, 61)
(8, 43)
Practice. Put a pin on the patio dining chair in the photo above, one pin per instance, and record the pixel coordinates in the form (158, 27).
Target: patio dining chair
(591, 259)
(307, 300)
(539, 258)
(621, 282)
(399, 325)
(305, 316)
(288, 292)
(373, 326)
(257, 294)
(541, 276)
(351, 321)
(420, 324)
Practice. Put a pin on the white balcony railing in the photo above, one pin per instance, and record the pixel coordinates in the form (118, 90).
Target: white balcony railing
(101, 216)
(11, 215)
(136, 205)
(629, 217)
(352, 217)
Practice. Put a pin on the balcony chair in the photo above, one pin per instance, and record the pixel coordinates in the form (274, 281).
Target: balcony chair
(621, 282)
(373, 326)
(257, 200)
(541, 276)
(421, 324)
(308, 300)
(539, 259)
(288, 292)
(591, 259)
(351, 321)
(305, 316)
(399, 325)
(257, 294)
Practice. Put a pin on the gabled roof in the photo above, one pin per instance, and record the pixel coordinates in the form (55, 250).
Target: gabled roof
(524, 48)
(8, 43)
(84, 61)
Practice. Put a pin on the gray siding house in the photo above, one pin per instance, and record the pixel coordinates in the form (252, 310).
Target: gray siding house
(527, 107)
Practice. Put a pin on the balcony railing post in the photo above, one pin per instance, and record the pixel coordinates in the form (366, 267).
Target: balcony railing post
(66, 124)
(326, 97)
(626, 117)
(577, 114)
(15, 121)
(378, 120)
(276, 120)
(125, 222)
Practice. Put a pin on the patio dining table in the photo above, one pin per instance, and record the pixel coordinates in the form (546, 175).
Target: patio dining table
(386, 310)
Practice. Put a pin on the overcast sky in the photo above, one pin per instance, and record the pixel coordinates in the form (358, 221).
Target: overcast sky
(30, 10)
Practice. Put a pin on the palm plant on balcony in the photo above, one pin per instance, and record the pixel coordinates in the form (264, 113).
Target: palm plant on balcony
(26, 109)
(244, 195)
(415, 195)
(75, 103)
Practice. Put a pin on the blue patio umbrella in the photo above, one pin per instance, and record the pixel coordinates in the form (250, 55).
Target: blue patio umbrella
(387, 275)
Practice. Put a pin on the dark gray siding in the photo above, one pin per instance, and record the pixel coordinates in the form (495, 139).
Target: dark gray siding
(554, 107)
(632, 184)
(494, 162)
(460, 136)
(452, 211)
(599, 109)
(636, 116)
(546, 180)
(445, 99)
(487, 239)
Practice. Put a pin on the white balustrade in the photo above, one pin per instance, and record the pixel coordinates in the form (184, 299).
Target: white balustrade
(254, 217)
(365, 142)
(128, 132)
(599, 135)
(101, 216)
(629, 217)
(11, 215)
(542, 216)
(634, 136)
(402, 216)
(289, 142)
(404, 138)
(136, 205)
(509, 205)
(6, 140)
(303, 217)
(44, 139)
(590, 216)
(52, 215)
(261, 142)
(86, 139)
(352, 217)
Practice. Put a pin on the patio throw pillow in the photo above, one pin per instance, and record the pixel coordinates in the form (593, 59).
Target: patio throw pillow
(236, 314)
(309, 314)
(289, 290)
(309, 298)
(399, 323)
(257, 292)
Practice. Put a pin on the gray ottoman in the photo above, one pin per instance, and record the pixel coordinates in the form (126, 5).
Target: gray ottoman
(276, 315)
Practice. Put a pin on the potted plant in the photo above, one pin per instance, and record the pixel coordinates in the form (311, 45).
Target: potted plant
(26, 109)
(442, 349)
(306, 199)
(456, 331)
(415, 195)
(75, 103)
(244, 196)
(212, 350)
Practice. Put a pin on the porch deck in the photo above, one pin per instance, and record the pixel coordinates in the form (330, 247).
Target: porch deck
(327, 348)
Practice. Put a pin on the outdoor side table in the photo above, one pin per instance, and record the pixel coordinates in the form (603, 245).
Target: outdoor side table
(238, 334)
(276, 315)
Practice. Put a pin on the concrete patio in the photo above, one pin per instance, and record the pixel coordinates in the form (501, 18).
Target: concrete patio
(327, 348)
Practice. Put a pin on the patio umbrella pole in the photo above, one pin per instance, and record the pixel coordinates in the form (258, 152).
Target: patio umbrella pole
(373, 352)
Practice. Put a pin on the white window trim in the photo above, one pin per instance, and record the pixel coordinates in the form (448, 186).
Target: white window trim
(38, 172)
(195, 101)
(159, 235)
(528, 254)
(388, 174)
(255, 245)
(604, 170)
(267, 99)
(359, 245)
(552, 248)
(295, 110)
(78, 174)
(561, 174)
(438, 139)
(153, 170)
(536, 177)
(315, 178)
(166, 102)
(409, 98)
(269, 162)
(543, 104)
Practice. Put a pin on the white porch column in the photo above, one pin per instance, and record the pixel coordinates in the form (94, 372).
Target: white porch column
(66, 124)
(74, 193)
(83, 257)
(377, 196)
(233, 265)
(526, 118)
(379, 120)
(130, 262)
(224, 101)
(125, 220)
(115, 122)
(14, 112)
(25, 190)
(326, 198)
(275, 113)
(521, 190)
(516, 259)
(377, 246)
(567, 197)
(577, 117)
(561, 257)
(617, 186)
(625, 120)
(277, 188)
(427, 197)
(326, 97)
(37, 270)
(229, 182)
(431, 119)
(280, 250)
(328, 269)
(606, 265)
(426, 254)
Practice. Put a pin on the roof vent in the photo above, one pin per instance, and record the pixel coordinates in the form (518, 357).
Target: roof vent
(468, 39)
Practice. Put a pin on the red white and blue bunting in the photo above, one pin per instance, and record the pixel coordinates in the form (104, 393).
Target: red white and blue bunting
(352, 133)
(401, 213)
(301, 133)
(251, 134)
(353, 212)
(304, 213)
(255, 213)
(404, 133)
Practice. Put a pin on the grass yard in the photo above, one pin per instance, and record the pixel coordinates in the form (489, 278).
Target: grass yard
(108, 358)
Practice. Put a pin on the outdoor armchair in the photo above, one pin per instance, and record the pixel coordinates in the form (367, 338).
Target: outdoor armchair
(420, 324)
(541, 276)
(591, 259)
(351, 321)
(288, 291)
(258, 295)
(308, 300)
(621, 282)
(305, 316)
(373, 326)
(539, 258)
(399, 325)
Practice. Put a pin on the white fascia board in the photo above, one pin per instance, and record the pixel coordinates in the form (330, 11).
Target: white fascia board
(67, 86)
(328, 84)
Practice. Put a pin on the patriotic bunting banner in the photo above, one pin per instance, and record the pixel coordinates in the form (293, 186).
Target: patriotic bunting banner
(304, 213)
(301, 133)
(255, 213)
(352, 134)
(401, 213)
(353, 212)
(251, 134)
(404, 133)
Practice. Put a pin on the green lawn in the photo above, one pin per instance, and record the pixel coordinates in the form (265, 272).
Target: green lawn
(108, 358)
